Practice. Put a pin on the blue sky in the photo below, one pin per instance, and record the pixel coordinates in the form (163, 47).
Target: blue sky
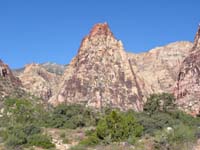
(51, 30)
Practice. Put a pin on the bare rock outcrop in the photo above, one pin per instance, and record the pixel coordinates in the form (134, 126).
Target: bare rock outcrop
(38, 81)
(159, 67)
(104, 75)
(187, 88)
(101, 75)
(9, 84)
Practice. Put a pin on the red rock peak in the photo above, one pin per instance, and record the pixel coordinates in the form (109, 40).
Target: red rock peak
(101, 29)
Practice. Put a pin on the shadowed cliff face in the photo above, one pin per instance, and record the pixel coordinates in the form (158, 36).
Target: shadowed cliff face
(9, 84)
(187, 88)
(101, 75)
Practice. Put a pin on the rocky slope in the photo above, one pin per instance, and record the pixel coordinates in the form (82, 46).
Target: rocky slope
(187, 88)
(159, 67)
(9, 84)
(38, 81)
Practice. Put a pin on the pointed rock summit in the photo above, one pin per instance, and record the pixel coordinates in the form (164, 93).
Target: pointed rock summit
(101, 74)
(100, 29)
(187, 88)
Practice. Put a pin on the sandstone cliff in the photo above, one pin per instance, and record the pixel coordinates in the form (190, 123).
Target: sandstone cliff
(9, 84)
(187, 88)
(38, 81)
(104, 75)
(159, 67)
(101, 74)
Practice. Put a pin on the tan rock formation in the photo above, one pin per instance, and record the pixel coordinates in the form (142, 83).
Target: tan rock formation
(159, 67)
(104, 75)
(187, 88)
(38, 81)
(9, 84)
(101, 75)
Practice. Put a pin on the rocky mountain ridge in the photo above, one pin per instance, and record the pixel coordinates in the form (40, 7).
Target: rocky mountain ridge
(103, 74)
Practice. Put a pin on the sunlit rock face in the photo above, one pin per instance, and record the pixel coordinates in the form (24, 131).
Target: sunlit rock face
(101, 74)
(187, 88)
(159, 67)
(39, 82)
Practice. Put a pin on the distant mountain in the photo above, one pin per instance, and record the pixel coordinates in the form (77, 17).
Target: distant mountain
(50, 67)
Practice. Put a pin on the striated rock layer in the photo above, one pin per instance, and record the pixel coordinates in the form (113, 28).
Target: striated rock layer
(104, 75)
(187, 88)
(101, 74)
(159, 67)
(38, 81)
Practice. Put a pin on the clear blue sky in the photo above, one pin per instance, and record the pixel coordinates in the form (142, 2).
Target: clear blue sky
(51, 30)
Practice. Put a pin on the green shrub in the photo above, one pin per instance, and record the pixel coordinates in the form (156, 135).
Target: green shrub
(132, 140)
(16, 140)
(182, 133)
(178, 136)
(118, 127)
(90, 141)
(71, 116)
(159, 102)
(40, 140)
(89, 132)
(31, 129)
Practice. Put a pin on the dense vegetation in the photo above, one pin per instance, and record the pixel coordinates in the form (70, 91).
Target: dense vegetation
(23, 122)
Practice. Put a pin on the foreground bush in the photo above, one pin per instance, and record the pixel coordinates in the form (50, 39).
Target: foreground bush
(163, 102)
(72, 117)
(118, 126)
(40, 140)
(177, 136)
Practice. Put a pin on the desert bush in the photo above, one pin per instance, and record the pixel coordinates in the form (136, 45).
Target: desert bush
(40, 140)
(71, 116)
(159, 103)
(118, 126)
(179, 135)
(90, 141)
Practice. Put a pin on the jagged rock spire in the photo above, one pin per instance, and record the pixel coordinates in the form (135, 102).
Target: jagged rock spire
(197, 39)
(100, 29)
(100, 75)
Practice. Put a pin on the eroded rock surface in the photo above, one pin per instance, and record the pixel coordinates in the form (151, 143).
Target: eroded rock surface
(104, 75)
(101, 74)
(187, 88)
(39, 82)
(9, 84)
